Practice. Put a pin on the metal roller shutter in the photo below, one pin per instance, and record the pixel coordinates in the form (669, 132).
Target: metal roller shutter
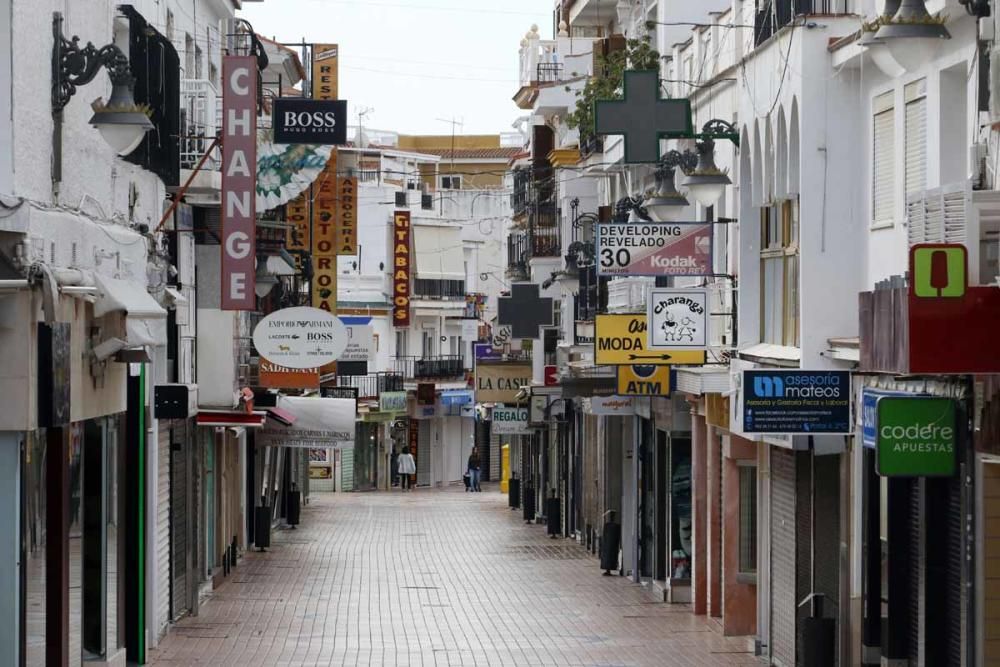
(162, 526)
(495, 455)
(915, 521)
(424, 453)
(347, 469)
(783, 602)
(179, 522)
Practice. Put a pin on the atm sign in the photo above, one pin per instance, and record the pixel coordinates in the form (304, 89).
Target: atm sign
(645, 380)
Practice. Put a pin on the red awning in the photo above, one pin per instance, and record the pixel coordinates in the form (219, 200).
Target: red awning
(225, 418)
(282, 416)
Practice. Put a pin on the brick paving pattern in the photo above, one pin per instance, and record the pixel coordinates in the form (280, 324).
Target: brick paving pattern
(435, 578)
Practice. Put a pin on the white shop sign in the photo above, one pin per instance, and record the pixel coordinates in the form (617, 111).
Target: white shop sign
(510, 421)
(678, 319)
(300, 337)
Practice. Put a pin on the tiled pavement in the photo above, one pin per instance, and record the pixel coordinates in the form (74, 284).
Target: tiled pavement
(435, 578)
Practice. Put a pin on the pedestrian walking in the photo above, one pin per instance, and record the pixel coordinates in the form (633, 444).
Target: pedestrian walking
(474, 470)
(394, 467)
(406, 467)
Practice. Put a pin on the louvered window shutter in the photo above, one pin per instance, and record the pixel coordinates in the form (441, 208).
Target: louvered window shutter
(883, 162)
(916, 136)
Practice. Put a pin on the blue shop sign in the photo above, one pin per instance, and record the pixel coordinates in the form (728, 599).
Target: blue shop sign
(869, 413)
(784, 402)
(459, 397)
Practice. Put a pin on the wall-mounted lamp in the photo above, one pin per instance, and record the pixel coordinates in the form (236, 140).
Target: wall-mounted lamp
(121, 122)
(912, 34)
(706, 182)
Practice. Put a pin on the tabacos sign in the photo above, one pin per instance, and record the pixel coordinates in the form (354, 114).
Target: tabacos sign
(239, 181)
(916, 436)
(401, 268)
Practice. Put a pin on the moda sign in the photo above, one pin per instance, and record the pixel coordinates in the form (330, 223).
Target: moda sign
(657, 249)
(306, 121)
(916, 436)
(784, 402)
(300, 337)
(239, 181)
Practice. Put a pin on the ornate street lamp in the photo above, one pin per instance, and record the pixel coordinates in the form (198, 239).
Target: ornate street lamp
(706, 182)
(667, 204)
(912, 34)
(121, 122)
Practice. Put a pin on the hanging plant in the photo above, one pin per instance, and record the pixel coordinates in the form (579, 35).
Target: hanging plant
(606, 83)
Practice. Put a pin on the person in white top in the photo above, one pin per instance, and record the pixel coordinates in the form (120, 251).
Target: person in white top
(406, 466)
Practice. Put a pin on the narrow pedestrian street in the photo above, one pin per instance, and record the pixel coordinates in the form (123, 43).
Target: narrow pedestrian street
(435, 577)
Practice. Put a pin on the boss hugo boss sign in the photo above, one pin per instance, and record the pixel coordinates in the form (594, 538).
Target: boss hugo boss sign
(310, 121)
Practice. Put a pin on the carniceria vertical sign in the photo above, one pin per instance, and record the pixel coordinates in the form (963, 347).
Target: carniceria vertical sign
(239, 160)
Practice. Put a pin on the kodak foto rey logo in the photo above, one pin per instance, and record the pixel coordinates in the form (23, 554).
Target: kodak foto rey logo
(239, 180)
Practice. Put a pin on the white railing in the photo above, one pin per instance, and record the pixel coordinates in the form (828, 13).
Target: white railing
(202, 120)
(534, 52)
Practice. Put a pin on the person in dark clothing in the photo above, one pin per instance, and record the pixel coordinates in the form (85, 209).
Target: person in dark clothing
(474, 470)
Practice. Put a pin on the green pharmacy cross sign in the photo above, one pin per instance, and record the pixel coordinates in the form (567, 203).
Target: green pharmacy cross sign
(643, 117)
(916, 436)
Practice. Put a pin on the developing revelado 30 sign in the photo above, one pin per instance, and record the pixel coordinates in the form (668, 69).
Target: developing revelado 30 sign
(654, 249)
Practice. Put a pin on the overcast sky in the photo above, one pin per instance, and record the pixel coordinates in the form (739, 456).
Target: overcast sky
(414, 61)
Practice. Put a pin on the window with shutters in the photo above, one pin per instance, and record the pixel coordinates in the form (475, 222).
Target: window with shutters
(748, 520)
(779, 273)
(883, 161)
(915, 99)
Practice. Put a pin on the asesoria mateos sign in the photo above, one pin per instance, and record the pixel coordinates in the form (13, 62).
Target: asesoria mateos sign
(239, 168)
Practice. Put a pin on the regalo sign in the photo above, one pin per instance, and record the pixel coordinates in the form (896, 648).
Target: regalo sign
(239, 163)
(658, 249)
(402, 265)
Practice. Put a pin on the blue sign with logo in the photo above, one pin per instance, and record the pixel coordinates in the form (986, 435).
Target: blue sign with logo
(869, 413)
(776, 401)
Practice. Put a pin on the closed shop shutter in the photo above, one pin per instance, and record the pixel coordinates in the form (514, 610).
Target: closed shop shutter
(783, 602)
(179, 521)
(827, 547)
(347, 469)
(945, 604)
(495, 454)
(424, 453)
(162, 526)
(915, 521)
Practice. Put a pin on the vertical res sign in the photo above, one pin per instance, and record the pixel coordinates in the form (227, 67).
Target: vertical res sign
(401, 267)
(239, 165)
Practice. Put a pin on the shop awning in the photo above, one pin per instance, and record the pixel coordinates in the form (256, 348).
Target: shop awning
(319, 423)
(231, 418)
(281, 416)
(456, 397)
(438, 253)
(145, 319)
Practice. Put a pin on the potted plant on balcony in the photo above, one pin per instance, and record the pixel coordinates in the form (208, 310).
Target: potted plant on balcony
(606, 84)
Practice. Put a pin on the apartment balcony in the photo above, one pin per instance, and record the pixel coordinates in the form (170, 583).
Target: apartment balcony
(549, 72)
(443, 367)
(438, 289)
(373, 384)
(532, 243)
(201, 118)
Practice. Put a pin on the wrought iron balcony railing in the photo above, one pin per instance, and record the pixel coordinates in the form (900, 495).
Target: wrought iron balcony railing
(430, 368)
(373, 384)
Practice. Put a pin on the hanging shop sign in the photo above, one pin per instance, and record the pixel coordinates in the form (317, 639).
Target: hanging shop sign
(347, 216)
(360, 339)
(551, 375)
(524, 311)
(537, 406)
(300, 120)
(324, 240)
(239, 161)
(300, 337)
(916, 436)
(470, 330)
(325, 71)
(869, 413)
(457, 397)
(486, 352)
(340, 392)
(785, 402)
(644, 380)
(678, 319)
(499, 382)
(319, 423)
(654, 249)
(274, 376)
(621, 340)
(402, 267)
(298, 236)
(612, 406)
(392, 401)
(510, 421)
(426, 393)
(583, 332)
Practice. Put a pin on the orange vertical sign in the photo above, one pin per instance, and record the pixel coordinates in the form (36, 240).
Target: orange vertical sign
(347, 216)
(324, 191)
(401, 270)
(298, 236)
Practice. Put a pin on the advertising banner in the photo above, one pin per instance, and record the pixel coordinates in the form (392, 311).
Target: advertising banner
(239, 182)
(789, 402)
(644, 380)
(274, 376)
(325, 78)
(360, 339)
(300, 337)
(392, 401)
(916, 436)
(300, 120)
(678, 319)
(325, 71)
(614, 406)
(346, 230)
(402, 267)
(621, 340)
(319, 423)
(499, 382)
(510, 421)
(654, 249)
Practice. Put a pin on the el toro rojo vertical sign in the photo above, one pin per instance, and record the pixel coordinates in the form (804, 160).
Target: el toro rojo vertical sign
(239, 165)
(654, 249)
(401, 268)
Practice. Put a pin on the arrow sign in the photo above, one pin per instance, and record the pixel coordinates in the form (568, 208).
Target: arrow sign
(634, 357)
